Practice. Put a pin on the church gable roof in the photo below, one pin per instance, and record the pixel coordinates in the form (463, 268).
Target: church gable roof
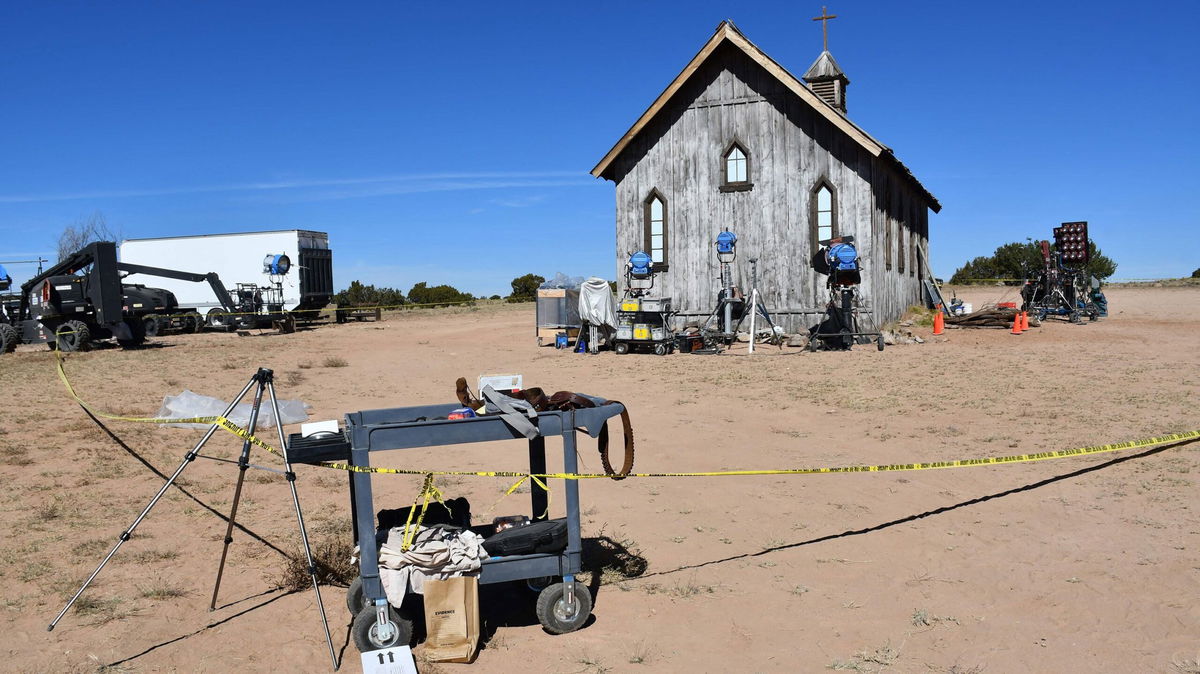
(728, 33)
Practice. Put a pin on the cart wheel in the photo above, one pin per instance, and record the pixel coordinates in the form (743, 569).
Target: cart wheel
(552, 609)
(660, 350)
(879, 342)
(621, 347)
(354, 596)
(366, 634)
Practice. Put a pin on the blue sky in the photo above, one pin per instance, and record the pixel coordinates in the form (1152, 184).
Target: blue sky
(451, 143)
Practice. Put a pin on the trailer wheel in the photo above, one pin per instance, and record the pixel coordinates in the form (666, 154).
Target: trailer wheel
(150, 326)
(8, 338)
(621, 347)
(366, 634)
(218, 319)
(660, 349)
(556, 615)
(193, 322)
(73, 336)
(879, 342)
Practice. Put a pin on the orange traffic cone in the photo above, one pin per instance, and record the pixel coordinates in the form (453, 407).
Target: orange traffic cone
(939, 323)
(1024, 321)
(1016, 329)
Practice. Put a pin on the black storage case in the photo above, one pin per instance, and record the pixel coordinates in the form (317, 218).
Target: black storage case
(533, 538)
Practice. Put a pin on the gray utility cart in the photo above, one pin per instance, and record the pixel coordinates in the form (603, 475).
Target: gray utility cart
(561, 606)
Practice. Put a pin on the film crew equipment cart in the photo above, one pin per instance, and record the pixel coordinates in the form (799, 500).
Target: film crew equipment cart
(643, 322)
(263, 381)
(561, 607)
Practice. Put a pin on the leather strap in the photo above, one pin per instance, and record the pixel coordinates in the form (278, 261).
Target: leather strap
(561, 401)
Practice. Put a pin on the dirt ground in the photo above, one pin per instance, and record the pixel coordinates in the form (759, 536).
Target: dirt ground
(1074, 565)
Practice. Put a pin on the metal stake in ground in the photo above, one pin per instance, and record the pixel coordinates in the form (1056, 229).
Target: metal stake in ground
(291, 478)
(125, 535)
(262, 376)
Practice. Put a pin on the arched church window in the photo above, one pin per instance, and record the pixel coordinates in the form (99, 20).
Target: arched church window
(823, 213)
(655, 214)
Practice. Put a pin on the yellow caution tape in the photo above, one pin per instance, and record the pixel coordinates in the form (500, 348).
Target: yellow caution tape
(522, 476)
(894, 467)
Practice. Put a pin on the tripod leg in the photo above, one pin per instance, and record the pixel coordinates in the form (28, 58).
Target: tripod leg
(291, 478)
(243, 465)
(125, 535)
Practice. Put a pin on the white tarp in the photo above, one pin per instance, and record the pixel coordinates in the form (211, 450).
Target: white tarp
(597, 306)
(188, 405)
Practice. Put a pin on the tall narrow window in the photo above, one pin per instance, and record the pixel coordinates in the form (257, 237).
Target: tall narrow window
(656, 228)
(735, 165)
(823, 213)
(736, 168)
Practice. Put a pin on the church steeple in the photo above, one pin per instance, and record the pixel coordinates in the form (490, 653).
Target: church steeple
(825, 76)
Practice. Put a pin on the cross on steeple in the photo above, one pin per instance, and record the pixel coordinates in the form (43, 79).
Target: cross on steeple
(824, 19)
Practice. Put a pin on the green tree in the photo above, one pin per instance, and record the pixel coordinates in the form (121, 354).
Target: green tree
(524, 288)
(421, 293)
(359, 295)
(1196, 274)
(1021, 260)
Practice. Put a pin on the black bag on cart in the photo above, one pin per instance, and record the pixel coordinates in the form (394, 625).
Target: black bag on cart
(548, 536)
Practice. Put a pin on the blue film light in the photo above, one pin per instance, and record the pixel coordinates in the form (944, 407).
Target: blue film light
(277, 265)
(843, 257)
(639, 264)
(725, 242)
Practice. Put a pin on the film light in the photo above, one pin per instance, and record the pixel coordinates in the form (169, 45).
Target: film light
(1071, 240)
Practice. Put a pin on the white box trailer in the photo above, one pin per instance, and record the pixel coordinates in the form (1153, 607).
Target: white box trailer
(238, 259)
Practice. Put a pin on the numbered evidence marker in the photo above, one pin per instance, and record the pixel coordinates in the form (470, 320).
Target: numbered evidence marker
(395, 660)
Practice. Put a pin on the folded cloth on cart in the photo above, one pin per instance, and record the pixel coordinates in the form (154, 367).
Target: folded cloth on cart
(438, 552)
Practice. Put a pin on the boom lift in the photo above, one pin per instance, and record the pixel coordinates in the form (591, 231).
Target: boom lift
(69, 309)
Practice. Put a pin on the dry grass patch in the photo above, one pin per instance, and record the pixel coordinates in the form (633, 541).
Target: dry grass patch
(335, 361)
(868, 661)
(331, 555)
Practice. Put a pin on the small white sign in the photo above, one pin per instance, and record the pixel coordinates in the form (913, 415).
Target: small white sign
(329, 426)
(394, 660)
(501, 382)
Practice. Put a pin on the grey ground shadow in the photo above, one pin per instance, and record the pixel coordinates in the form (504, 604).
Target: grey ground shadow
(928, 513)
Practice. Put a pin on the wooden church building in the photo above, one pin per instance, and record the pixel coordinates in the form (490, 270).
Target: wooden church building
(737, 142)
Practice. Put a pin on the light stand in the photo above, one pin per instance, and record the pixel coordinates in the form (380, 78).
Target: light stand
(264, 379)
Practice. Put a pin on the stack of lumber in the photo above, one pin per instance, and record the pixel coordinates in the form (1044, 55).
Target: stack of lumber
(987, 318)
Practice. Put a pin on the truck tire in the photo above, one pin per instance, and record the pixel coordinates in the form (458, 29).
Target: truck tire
(73, 336)
(219, 320)
(150, 326)
(9, 338)
(193, 322)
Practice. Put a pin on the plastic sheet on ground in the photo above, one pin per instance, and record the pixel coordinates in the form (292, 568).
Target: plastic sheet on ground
(188, 405)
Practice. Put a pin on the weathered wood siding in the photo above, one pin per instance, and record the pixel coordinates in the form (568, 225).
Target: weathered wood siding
(791, 149)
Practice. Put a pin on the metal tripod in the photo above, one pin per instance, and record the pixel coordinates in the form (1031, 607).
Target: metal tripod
(265, 380)
(758, 308)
